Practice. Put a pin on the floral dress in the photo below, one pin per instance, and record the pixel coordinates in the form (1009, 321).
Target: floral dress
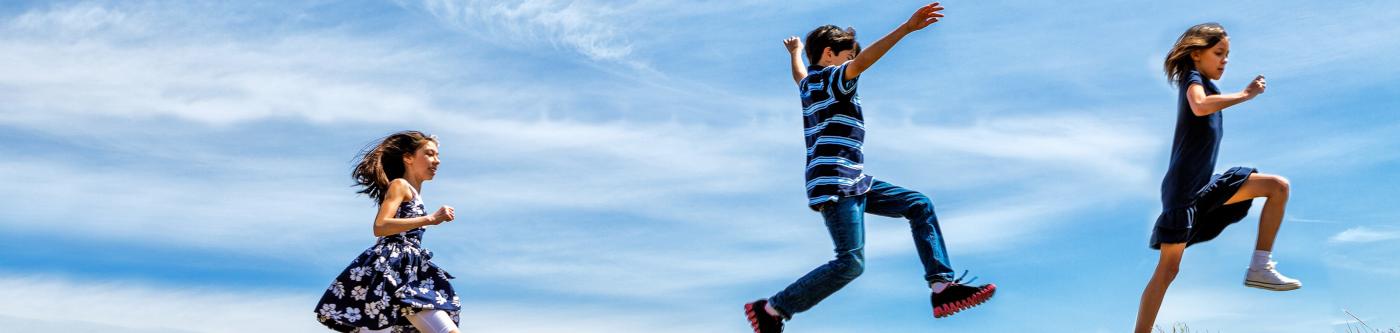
(389, 282)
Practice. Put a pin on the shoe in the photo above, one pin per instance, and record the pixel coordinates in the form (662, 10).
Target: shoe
(958, 296)
(1268, 278)
(759, 318)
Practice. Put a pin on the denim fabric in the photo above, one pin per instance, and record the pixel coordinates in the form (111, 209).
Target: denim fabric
(845, 221)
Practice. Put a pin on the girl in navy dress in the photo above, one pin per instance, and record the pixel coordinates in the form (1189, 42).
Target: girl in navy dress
(1197, 206)
(393, 286)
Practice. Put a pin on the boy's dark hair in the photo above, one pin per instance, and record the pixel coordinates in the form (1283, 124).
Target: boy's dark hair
(830, 36)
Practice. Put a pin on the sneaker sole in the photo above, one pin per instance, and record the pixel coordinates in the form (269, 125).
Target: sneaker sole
(753, 317)
(1272, 286)
(977, 299)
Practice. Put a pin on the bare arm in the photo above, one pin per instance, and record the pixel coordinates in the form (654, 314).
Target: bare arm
(794, 47)
(922, 18)
(1156, 289)
(1203, 105)
(386, 224)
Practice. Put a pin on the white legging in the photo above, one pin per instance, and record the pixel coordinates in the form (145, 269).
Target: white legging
(429, 321)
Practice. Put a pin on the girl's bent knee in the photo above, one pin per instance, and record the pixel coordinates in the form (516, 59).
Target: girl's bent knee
(1282, 187)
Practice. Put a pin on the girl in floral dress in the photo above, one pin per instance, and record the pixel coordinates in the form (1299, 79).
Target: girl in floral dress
(393, 286)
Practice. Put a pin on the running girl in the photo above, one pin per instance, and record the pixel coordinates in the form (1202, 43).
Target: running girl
(392, 286)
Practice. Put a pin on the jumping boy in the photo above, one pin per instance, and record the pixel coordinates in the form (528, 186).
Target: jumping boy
(838, 187)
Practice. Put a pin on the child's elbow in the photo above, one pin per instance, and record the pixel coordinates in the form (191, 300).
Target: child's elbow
(380, 230)
(1201, 110)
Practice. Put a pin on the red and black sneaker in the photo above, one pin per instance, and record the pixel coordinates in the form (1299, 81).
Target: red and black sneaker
(958, 296)
(759, 318)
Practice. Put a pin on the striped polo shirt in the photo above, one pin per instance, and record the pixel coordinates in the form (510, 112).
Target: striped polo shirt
(835, 131)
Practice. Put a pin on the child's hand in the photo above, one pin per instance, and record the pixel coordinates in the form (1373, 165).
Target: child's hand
(793, 44)
(1256, 87)
(444, 214)
(925, 16)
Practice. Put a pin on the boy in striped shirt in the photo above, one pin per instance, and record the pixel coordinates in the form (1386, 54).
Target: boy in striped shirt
(838, 187)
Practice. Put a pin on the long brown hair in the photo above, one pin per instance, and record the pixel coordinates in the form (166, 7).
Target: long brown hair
(1199, 37)
(378, 164)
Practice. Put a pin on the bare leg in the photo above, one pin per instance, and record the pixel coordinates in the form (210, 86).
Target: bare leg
(1275, 188)
(1156, 289)
(432, 321)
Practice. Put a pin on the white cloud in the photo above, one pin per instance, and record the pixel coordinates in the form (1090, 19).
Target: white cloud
(680, 240)
(59, 304)
(318, 78)
(624, 205)
(1342, 38)
(591, 29)
(1095, 149)
(76, 20)
(1363, 234)
(1209, 308)
(149, 63)
(688, 214)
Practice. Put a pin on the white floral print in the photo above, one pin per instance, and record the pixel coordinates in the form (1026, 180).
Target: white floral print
(352, 314)
(388, 281)
(358, 272)
(358, 293)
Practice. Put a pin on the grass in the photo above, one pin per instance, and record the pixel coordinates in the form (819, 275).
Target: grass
(1178, 328)
(1360, 326)
(1357, 326)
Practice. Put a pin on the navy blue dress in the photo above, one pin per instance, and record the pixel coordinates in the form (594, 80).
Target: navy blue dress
(1193, 200)
(388, 282)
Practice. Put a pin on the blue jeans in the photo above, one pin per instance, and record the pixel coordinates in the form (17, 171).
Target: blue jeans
(845, 220)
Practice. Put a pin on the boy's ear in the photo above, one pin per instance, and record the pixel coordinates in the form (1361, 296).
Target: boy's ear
(827, 53)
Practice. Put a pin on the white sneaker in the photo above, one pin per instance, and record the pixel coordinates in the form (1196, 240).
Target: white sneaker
(1269, 279)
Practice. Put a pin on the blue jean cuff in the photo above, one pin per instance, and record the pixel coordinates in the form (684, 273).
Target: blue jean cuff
(781, 311)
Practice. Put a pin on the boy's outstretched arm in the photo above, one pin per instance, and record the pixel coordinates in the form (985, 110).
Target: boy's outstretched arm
(794, 47)
(922, 18)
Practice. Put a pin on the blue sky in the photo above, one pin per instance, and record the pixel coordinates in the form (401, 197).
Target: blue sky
(635, 166)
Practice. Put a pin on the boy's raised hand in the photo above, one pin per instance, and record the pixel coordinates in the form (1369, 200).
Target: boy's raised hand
(793, 44)
(925, 16)
(794, 47)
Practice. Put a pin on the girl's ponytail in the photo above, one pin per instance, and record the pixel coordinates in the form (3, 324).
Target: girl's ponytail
(383, 162)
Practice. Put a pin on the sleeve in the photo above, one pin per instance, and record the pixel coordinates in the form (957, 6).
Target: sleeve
(1192, 77)
(815, 80)
(844, 88)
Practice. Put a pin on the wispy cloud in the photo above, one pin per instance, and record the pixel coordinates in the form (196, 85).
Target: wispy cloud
(83, 55)
(594, 30)
(1212, 308)
(147, 308)
(1363, 234)
(121, 306)
(677, 194)
(77, 20)
(661, 179)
